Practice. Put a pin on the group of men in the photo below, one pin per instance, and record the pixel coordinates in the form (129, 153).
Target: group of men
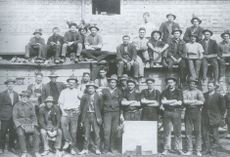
(55, 111)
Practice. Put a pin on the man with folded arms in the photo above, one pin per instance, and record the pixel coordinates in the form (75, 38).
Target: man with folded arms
(193, 101)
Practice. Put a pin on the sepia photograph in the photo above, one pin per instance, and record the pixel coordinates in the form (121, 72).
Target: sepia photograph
(114, 78)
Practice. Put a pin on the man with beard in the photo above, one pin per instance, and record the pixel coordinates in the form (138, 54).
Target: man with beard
(85, 80)
(171, 100)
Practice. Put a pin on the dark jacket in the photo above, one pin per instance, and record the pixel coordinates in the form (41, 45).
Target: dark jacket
(176, 49)
(53, 115)
(188, 32)
(164, 29)
(85, 102)
(130, 55)
(72, 36)
(33, 41)
(6, 106)
(55, 38)
(213, 109)
(212, 47)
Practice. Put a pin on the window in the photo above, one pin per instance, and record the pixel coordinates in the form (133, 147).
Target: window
(106, 7)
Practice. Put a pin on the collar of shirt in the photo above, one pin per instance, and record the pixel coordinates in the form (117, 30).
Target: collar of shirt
(150, 91)
(112, 90)
(226, 42)
(130, 92)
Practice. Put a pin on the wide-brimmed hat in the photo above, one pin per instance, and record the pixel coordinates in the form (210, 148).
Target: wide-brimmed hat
(9, 80)
(171, 78)
(198, 19)
(170, 14)
(113, 77)
(94, 27)
(124, 77)
(207, 30)
(91, 84)
(53, 74)
(37, 31)
(176, 30)
(132, 81)
(25, 93)
(225, 32)
(49, 99)
(72, 78)
(156, 31)
(149, 79)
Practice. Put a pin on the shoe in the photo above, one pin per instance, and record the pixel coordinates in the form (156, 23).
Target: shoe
(24, 155)
(188, 153)
(46, 152)
(180, 152)
(198, 153)
(98, 152)
(12, 150)
(84, 151)
(37, 154)
(73, 152)
(165, 152)
(66, 146)
(76, 60)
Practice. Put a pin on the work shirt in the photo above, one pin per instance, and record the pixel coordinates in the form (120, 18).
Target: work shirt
(171, 95)
(127, 52)
(93, 40)
(72, 37)
(224, 47)
(102, 82)
(91, 107)
(11, 94)
(176, 48)
(194, 50)
(33, 41)
(55, 38)
(131, 96)
(193, 95)
(140, 43)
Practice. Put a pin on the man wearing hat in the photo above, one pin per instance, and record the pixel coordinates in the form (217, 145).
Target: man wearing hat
(171, 104)
(194, 55)
(69, 102)
(131, 102)
(213, 113)
(111, 99)
(93, 45)
(224, 51)
(167, 27)
(176, 55)
(53, 88)
(54, 45)
(193, 102)
(8, 99)
(123, 82)
(84, 81)
(36, 46)
(210, 55)
(194, 29)
(25, 121)
(91, 117)
(84, 33)
(50, 120)
(150, 99)
(147, 24)
(157, 48)
(72, 43)
(102, 81)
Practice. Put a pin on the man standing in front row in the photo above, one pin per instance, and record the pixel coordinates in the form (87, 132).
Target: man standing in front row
(91, 117)
(193, 101)
(69, 102)
(171, 100)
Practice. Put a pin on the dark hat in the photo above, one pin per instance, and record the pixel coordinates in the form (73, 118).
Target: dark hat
(225, 32)
(9, 80)
(92, 83)
(113, 77)
(25, 93)
(176, 30)
(72, 77)
(171, 78)
(72, 24)
(38, 31)
(124, 77)
(159, 32)
(94, 27)
(49, 99)
(194, 35)
(170, 14)
(198, 19)
(83, 28)
(132, 81)
(149, 79)
(53, 74)
(207, 30)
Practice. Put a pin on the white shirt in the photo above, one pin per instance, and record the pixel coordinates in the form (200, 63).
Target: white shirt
(70, 99)
(11, 94)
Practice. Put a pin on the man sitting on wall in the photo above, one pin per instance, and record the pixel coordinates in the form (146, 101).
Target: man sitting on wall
(36, 46)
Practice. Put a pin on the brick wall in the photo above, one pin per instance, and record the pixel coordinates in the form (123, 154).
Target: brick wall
(19, 18)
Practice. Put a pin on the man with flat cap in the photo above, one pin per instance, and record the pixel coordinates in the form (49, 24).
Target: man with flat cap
(53, 88)
(25, 121)
(224, 51)
(176, 55)
(36, 46)
(91, 117)
(8, 99)
(72, 43)
(131, 106)
(150, 101)
(171, 104)
(194, 29)
(210, 55)
(194, 55)
(69, 102)
(167, 27)
(193, 102)
(111, 99)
